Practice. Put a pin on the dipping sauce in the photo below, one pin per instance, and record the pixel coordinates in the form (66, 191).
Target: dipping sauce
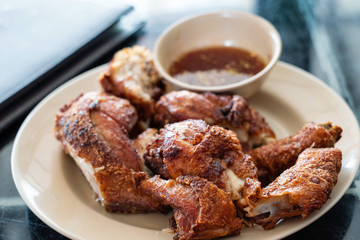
(215, 66)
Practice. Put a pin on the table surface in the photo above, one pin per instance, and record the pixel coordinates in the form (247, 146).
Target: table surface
(321, 37)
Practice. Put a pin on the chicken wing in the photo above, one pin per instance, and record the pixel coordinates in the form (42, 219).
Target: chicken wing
(93, 129)
(132, 75)
(248, 124)
(232, 112)
(201, 210)
(299, 190)
(277, 156)
(192, 147)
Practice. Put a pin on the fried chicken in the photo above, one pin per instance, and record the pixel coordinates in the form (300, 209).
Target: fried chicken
(232, 112)
(277, 156)
(177, 106)
(192, 147)
(299, 190)
(211, 157)
(140, 144)
(132, 75)
(201, 209)
(93, 129)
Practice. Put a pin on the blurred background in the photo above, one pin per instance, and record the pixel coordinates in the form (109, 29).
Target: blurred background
(321, 37)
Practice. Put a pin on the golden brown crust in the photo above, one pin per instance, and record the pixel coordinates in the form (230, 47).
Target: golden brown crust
(242, 114)
(95, 127)
(132, 75)
(302, 189)
(201, 210)
(273, 158)
(192, 147)
(74, 125)
(221, 102)
(90, 128)
(231, 112)
(182, 105)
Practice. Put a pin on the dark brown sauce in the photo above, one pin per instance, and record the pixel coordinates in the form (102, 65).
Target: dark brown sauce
(215, 66)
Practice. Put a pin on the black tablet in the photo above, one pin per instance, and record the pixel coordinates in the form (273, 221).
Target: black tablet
(41, 37)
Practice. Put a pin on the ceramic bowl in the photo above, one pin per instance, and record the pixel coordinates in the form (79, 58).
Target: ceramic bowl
(225, 28)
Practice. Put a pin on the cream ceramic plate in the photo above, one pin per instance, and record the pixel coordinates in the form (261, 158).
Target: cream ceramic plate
(55, 190)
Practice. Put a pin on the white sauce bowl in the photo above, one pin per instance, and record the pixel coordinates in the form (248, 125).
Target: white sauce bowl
(225, 28)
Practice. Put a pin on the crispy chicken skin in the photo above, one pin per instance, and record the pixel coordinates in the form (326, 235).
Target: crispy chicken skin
(232, 112)
(93, 129)
(132, 75)
(192, 147)
(277, 156)
(201, 209)
(177, 106)
(248, 124)
(299, 190)
(215, 159)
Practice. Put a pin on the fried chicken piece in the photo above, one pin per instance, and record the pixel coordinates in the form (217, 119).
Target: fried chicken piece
(140, 144)
(93, 129)
(277, 156)
(232, 112)
(132, 75)
(298, 191)
(192, 147)
(248, 124)
(201, 210)
(177, 106)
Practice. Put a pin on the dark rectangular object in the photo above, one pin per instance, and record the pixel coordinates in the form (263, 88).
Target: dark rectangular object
(43, 43)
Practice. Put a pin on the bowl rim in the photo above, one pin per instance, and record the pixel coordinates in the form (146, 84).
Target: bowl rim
(221, 88)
